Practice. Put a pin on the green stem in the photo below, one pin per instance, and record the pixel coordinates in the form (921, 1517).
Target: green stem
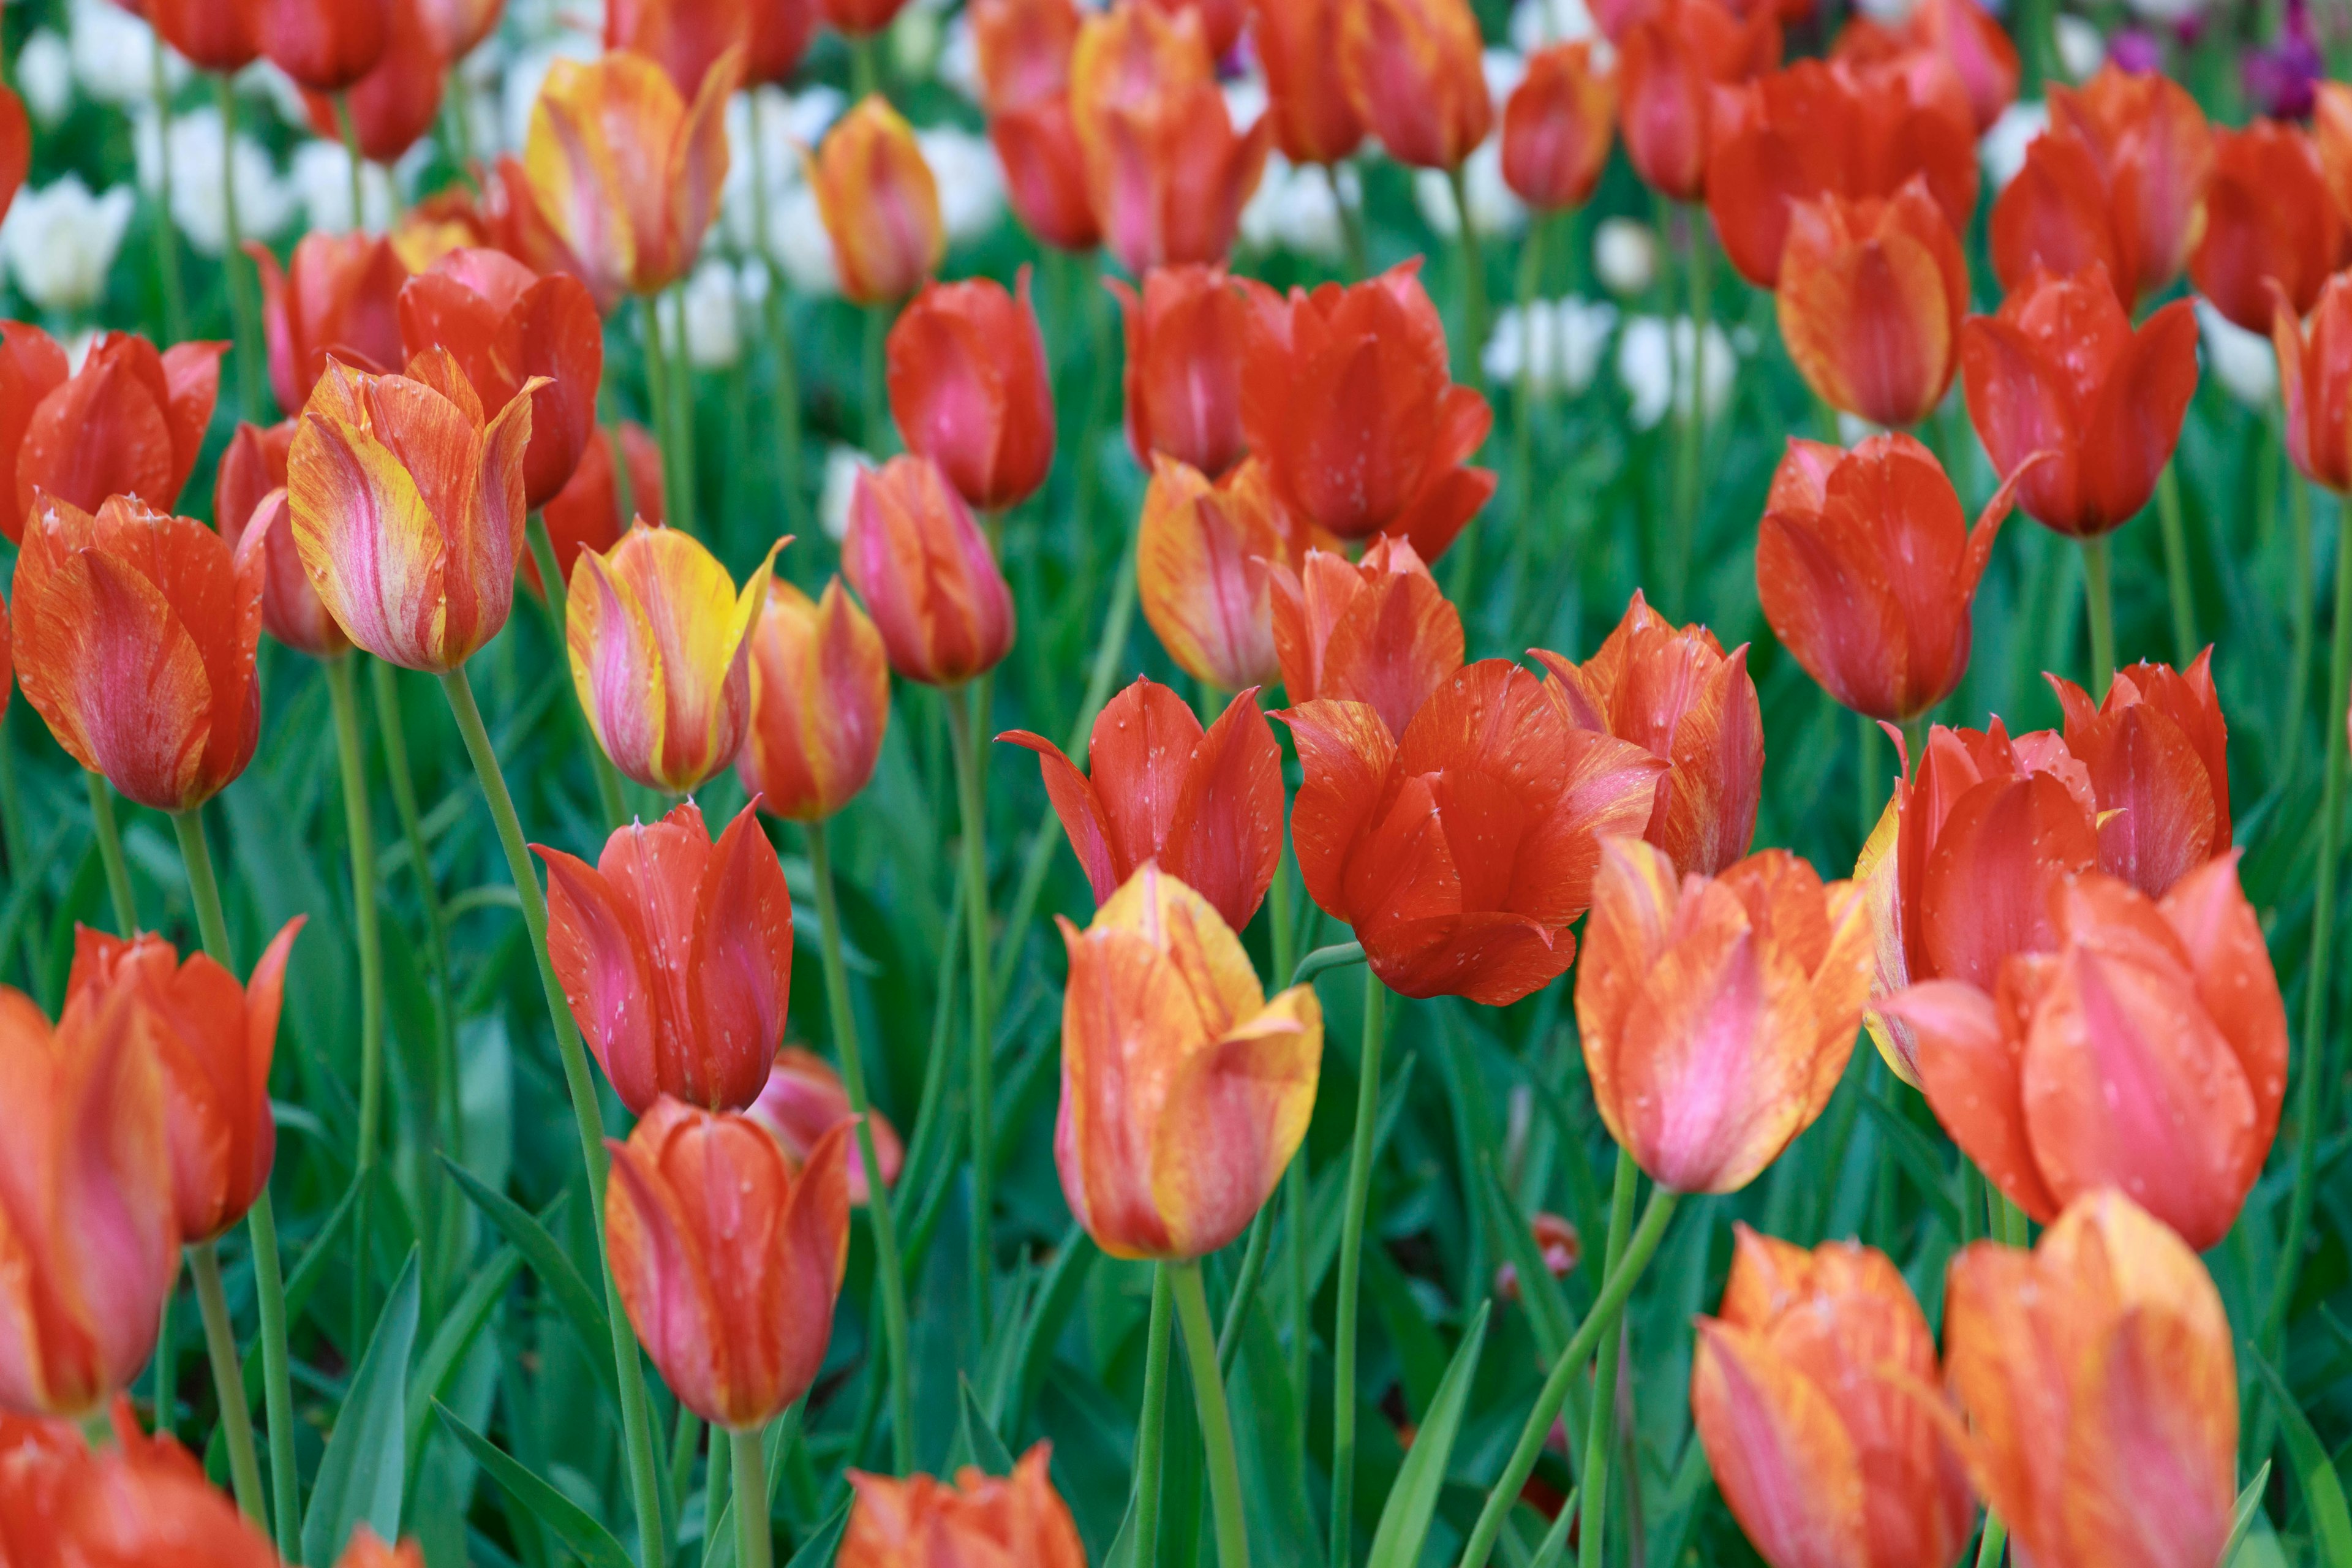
(1246, 1286)
(109, 854)
(359, 827)
(167, 1359)
(972, 778)
(1474, 284)
(636, 1427)
(203, 887)
(15, 834)
(385, 688)
(2176, 565)
(788, 392)
(682, 388)
(2298, 685)
(1352, 1257)
(2098, 602)
(167, 258)
(1151, 1428)
(1592, 1480)
(609, 798)
(1691, 460)
(864, 67)
(660, 409)
(874, 380)
(684, 1443)
(1995, 1537)
(1351, 227)
(754, 1545)
(277, 1380)
(350, 129)
(1216, 1420)
(877, 1201)
(1869, 760)
(228, 1380)
(243, 324)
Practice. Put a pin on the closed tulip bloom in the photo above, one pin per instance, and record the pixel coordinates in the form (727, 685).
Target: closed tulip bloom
(1867, 570)
(2331, 134)
(661, 643)
(1377, 632)
(969, 389)
(879, 203)
(15, 146)
(1558, 124)
(2054, 217)
(1187, 332)
(1415, 77)
(397, 101)
(2268, 217)
(1220, 21)
(1673, 692)
(340, 295)
(32, 365)
(2157, 753)
(2101, 1390)
(458, 27)
(135, 632)
(1305, 82)
(1870, 298)
(2154, 152)
(1805, 1394)
(209, 35)
(1557, 1244)
(250, 492)
(820, 702)
(1462, 851)
(1670, 62)
(805, 1100)
(728, 1262)
(781, 32)
(686, 37)
(860, 18)
(1206, 807)
(1045, 173)
(1206, 556)
(135, 1500)
(1023, 49)
(920, 1522)
(88, 1235)
(2315, 362)
(588, 514)
(1184, 1090)
(626, 172)
(675, 956)
(507, 325)
(324, 45)
(129, 423)
(514, 221)
(1348, 397)
(1969, 41)
(924, 569)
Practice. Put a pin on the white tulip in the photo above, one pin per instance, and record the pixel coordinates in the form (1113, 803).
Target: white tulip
(321, 175)
(1495, 211)
(1626, 256)
(115, 54)
(1538, 24)
(842, 467)
(60, 242)
(1568, 338)
(714, 335)
(264, 203)
(2244, 362)
(971, 181)
(1657, 366)
(45, 76)
(2002, 150)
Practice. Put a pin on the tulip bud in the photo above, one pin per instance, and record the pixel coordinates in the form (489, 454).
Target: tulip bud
(1177, 1116)
(879, 203)
(32, 365)
(920, 1522)
(1378, 631)
(820, 703)
(136, 1500)
(803, 1101)
(250, 492)
(2268, 217)
(325, 46)
(1557, 1244)
(367, 1549)
(2315, 363)
(1204, 558)
(589, 514)
(1557, 127)
(1670, 62)
(1186, 334)
(458, 27)
(135, 634)
(396, 101)
(1220, 21)
(1415, 76)
(209, 35)
(728, 1264)
(2157, 753)
(2054, 217)
(1204, 806)
(970, 391)
(860, 18)
(129, 423)
(1023, 49)
(1305, 85)
(1045, 173)
(686, 37)
(675, 956)
(1870, 297)
(2154, 152)
(340, 294)
(919, 562)
(1961, 36)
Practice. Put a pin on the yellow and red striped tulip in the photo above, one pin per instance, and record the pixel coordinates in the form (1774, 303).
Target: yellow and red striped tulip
(806, 1099)
(924, 569)
(820, 702)
(1415, 76)
(1184, 1091)
(1871, 296)
(922, 1522)
(1203, 563)
(879, 202)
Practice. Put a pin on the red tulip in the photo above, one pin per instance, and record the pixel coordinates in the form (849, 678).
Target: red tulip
(340, 296)
(1671, 61)
(32, 365)
(879, 203)
(1557, 1244)
(513, 221)
(924, 569)
(588, 514)
(1870, 299)
(129, 423)
(458, 27)
(920, 1522)
(2157, 753)
(398, 100)
(1557, 127)
(1305, 85)
(1415, 76)
(2268, 217)
(2155, 153)
(1046, 172)
(1023, 48)
(2054, 217)
(1376, 632)
(1969, 41)
(2331, 133)
(781, 31)
(325, 46)
(2315, 365)
(860, 18)
(1206, 556)
(139, 1500)
(1207, 806)
(685, 37)
(15, 146)
(210, 35)
(970, 388)
(1186, 334)
(805, 1100)
(1220, 21)
(820, 703)
(250, 492)
(1462, 850)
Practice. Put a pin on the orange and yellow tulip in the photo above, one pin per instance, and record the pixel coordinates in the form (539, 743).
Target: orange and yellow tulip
(1414, 76)
(1378, 631)
(803, 1101)
(2315, 365)
(135, 635)
(1557, 125)
(129, 423)
(686, 37)
(407, 509)
(1671, 61)
(249, 491)
(1186, 334)
(1673, 691)
(920, 1522)
(338, 294)
(588, 514)
(1206, 807)
(2268, 217)
(1205, 555)
(879, 203)
(2101, 1390)
(728, 1262)
(820, 702)
(1305, 85)
(1870, 299)
(2157, 753)
(396, 102)
(919, 560)
(675, 956)
(325, 46)
(970, 388)
(1184, 1090)
(1805, 1393)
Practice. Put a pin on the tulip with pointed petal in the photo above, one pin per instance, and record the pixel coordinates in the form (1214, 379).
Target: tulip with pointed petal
(2157, 753)
(2268, 217)
(339, 296)
(1414, 76)
(1377, 632)
(803, 1101)
(1204, 565)
(1869, 300)
(249, 492)
(820, 702)
(129, 423)
(2315, 363)
(1671, 62)
(970, 391)
(1305, 82)
(1557, 125)
(880, 204)
(1186, 334)
(920, 1522)
(924, 569)
(137, 1499)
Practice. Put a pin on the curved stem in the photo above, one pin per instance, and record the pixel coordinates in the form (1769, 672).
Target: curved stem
(109, 854)
(359, 827)
(972, 778)
(228, 1380)
(1474, 284)
(754, 1545)
(1351, 227)
(864, 69)
(658, 408)
(1600, 1432)
(2098, 601)
(203, 887)
(236, 266)
(681, 461)
(167, 256)
(609, 798)
(873, 378)
(2175, 530)
(1351, 1259)
(1216, 1420)
(1151, 1424)
(384, 689)
(788, 389)
(350, 129)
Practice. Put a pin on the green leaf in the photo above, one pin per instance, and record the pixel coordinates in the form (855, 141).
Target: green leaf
(362, 1471)
(1122, 1545)
(301, 1283)
(461, 1324)
(1549, 1315)
(1420, 1352)
(1404, 1521)
(818, 1550)
(2323, 1489)
(2242, 1518)
(551, 1263)
(1929, 1171)
(1057, 1298)
(988, 1449)
(589, 1541)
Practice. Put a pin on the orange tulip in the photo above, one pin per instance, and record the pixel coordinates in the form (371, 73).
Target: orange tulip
(1204, 559)
(325, 46)
(396, 102)
(919, 562)
(588, 514)
(1969, 41)
(209, 35)
(250, 492)
(87, 1232)
(340, 294)
(2315, 362)
(920, 1522)
(1671, 690)
(1378, 631)
(1206, 807)
(879, 203)
(214, 1039)
(1870, 298)
(728, 1263)
(803, 1101)
(626, 172)
(1462, 851)
(2054, 217)
(970, 388)
(2101, 1390)
(1347, 396)
(513, 221)
(685, 37)
(2331, 134)
(135, 632)
(2157, 753)
(1717, 1014)
(1220, 21)
(137, 1500)
(32, 365)
(661, 643)
(1415, 76)
(820, 703)
(860, 18)
(675, 956)
(367, 1549)
(2154, 152)
(2268, 217)
(1867, 569)
(1805, 1394)
(1046, 172)
(129, 423)
(1024, 50)
(1557, 127)
(1184, 1091)
(1671, 61)
(1186, 334)
(1305, 85)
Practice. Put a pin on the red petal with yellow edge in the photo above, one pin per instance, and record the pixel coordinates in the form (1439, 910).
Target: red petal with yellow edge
(1225, 839)
(2136, 422)
(1634, 898)
(1971, 1072)
(368, 537)
(1985, 892)
(1785, 1463)
(1345, 754)
(697, 162)
(1127, 1020)
(1233, 1116)
(742, 964)
(617, 666)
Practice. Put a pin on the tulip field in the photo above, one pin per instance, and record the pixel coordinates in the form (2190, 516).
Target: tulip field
(1163, 783)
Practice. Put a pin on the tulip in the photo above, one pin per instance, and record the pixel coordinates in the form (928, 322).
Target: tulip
(675, 956)
(250, 490)
(1415, 76)
(1220, 21)
(86, 1231)
(920, 1522)
(1347, 396)
(2054, 217)
(209, 35)
(860, 18)
(588, 514)
(2315, 365)
(626, 172)
(728, 1262)
(137, 1499)
(1671, 690)
(1805, 1393)
(879, 203)
(1377, 632)
(2331, 134)
(325, 46)
(15, 146)
(2101, 1390)
(2155, 153)
(2268, 217)
(803, 1101)
(1186, 334)
(367, 1549)
(438, 226)
(919, 562)
(685, 38)
(820, 703)
(1961, 33)
(32, 365)
(1867, 570)
(340, 295)
(408, 508)
(1206, 807)
(135, 632)
(397, 101)
(1045, 173)
(781, 31)
(458, 27)
(1557, 1244)
(1870, 298)
(506, 325)
(1306, 84)
(1670, 63)
(1024, 50)
(1184, 1090)
(2157, 753)
(1205, 555)
(1462, 849)
(1557, 127)
(514, 222)
(129, 423)
(969, 389)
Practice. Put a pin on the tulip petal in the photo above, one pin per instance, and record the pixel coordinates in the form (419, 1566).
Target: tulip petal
(1139, 756)
(663, 1278)
(742, 964)
(1224, 836)
(1234, 1114)
(1972, 1074)
(372, 545)
(2152, 1453)
(2135, 425)
(1345, 752)
(1784, 1462)
(1393, 643)
(1126, 1020)
(597, 946)
(1983, 894)
(2021, 404)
